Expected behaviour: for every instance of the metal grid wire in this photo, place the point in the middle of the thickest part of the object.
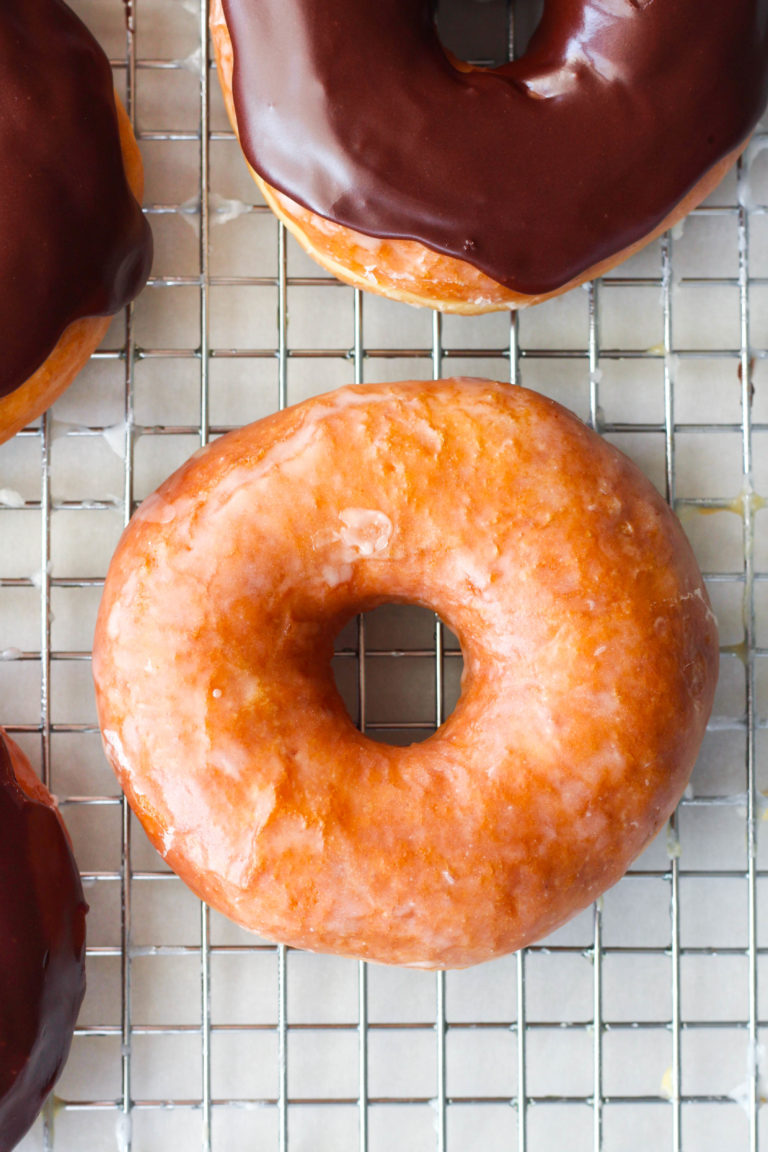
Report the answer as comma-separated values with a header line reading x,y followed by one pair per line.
x,y
639,1025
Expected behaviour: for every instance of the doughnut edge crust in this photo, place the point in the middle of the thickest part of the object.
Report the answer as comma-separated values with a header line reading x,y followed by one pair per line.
x,y
38,1026
590,657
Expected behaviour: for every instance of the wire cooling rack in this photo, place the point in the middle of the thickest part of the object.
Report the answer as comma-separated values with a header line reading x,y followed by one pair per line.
x,y
640,1024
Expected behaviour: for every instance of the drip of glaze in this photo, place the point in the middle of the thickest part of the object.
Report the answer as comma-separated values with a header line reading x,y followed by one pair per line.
x,y
533,172
73,240
42,943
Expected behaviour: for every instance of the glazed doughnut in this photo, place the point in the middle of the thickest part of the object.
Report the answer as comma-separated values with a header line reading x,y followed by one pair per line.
x,y
42,944
410,174
590,656
74,245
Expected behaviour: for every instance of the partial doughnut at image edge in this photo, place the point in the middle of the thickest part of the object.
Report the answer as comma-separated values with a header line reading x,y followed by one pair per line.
x,y
75,247
42,943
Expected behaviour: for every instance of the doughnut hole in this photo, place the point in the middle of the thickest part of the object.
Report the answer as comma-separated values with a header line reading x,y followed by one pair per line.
x,y
486,32
398,671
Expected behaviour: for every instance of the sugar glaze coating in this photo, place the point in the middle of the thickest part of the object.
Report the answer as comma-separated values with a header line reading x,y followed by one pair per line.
x,y
590,663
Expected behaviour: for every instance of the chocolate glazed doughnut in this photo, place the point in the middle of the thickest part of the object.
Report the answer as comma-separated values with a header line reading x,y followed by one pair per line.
x,y
42,944
74,244
488,188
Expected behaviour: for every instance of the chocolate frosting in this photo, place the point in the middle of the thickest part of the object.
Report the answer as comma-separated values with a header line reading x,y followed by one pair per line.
x,y
534,171
42,944
73,240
